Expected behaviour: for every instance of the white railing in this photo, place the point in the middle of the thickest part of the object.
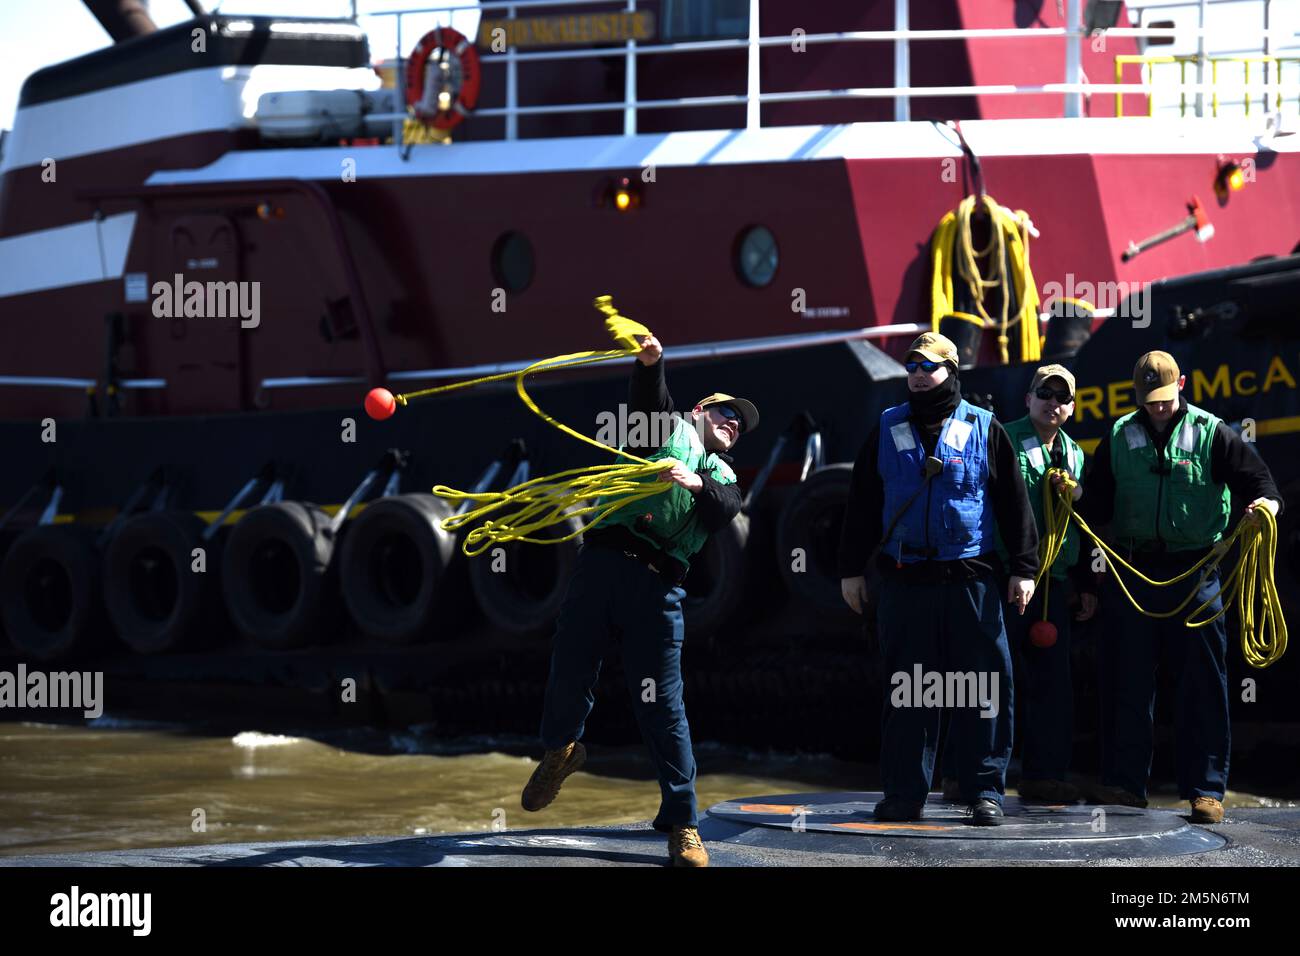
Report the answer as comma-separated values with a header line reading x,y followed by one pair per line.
x,y
1217,41
1073,88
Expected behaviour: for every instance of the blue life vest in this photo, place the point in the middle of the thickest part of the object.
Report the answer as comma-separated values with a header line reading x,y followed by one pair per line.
x,y
953,519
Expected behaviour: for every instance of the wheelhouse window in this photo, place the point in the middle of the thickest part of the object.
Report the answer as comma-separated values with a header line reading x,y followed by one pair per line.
x,y
703,19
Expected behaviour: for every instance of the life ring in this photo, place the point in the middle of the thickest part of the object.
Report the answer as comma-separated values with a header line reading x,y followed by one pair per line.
x,y
443,104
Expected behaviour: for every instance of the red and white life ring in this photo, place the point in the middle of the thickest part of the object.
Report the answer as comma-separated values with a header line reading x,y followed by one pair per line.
x,y
443,78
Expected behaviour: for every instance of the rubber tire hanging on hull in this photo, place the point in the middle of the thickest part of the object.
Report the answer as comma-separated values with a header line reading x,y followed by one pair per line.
x,y
49,592
274,575
812,520
716,584
7,538
396,569
154,597
525,597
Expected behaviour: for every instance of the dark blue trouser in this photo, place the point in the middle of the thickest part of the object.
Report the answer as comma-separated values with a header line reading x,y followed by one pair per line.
x,y
1130,648
612,597
1044,693
947,628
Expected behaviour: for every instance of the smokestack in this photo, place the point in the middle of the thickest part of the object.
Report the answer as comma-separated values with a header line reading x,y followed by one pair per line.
x,y
123,19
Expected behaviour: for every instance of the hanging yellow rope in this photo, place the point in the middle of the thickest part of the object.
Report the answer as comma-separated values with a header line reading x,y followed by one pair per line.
x,y
1250,584
1050,545
968,266
521,512
953,253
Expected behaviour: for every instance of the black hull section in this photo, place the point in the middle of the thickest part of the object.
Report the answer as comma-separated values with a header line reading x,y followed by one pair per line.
x,y
780,676
476,679
451,438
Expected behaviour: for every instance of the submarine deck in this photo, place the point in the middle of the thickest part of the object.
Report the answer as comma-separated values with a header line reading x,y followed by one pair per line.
x,y
810,829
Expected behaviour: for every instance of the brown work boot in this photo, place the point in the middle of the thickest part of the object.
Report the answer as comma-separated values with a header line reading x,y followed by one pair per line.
x,y
1207,810
685,848
544,784
1051,791
951,790
1116,796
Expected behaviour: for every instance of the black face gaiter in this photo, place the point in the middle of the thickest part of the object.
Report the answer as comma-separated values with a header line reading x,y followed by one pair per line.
x,y
933,406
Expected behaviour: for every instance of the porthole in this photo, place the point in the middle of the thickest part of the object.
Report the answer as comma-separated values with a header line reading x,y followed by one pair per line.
x,y
512,262
756,256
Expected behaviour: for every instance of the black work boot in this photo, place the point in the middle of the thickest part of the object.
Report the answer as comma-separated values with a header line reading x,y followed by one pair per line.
x,y
897,810
986,813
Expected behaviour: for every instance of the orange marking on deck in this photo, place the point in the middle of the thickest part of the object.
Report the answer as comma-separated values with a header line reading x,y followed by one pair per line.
x,y
889,826
767,808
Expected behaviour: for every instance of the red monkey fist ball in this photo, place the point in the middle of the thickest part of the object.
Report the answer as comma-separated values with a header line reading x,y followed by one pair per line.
x,y
1042,634
380,403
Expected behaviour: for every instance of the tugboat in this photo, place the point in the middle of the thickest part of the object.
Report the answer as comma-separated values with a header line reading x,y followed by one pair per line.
x,y
216,237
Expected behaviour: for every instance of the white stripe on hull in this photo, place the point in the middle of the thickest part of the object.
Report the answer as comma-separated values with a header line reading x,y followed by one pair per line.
x,y
65,255
1032,137
162,107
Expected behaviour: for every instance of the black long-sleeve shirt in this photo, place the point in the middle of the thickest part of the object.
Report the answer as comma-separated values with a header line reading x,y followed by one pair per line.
x,y
716,503
1232,463
864,522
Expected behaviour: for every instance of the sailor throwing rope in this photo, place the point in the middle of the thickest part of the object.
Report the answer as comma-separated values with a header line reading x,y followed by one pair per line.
x,y
627,589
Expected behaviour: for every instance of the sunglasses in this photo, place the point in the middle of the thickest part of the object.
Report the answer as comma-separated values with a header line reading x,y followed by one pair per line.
x,y
729,413
1045,393
926,367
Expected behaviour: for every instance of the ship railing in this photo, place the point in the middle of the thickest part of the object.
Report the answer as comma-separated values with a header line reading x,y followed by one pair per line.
x,y
1140,11
85,384
1185,60
1073,86
703,350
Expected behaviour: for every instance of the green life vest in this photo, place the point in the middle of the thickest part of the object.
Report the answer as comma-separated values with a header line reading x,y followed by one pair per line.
x,y
1181,506
1034,461
673,525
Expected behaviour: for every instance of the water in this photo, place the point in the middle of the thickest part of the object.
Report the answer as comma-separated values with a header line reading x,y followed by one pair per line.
x,y
120,785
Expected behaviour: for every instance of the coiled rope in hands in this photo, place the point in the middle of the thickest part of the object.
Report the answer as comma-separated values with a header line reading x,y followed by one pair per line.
x,y
521,513
1250,585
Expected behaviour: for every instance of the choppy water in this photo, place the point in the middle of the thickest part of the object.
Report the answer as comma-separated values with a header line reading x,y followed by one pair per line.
x,y
118,785
105,787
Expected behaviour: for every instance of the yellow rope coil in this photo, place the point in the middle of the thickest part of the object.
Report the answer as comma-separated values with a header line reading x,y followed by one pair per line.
x,y
1052,542
1008,240
1250,585
521,512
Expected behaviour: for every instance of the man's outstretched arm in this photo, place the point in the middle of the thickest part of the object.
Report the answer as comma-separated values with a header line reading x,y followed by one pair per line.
x,y
648,392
